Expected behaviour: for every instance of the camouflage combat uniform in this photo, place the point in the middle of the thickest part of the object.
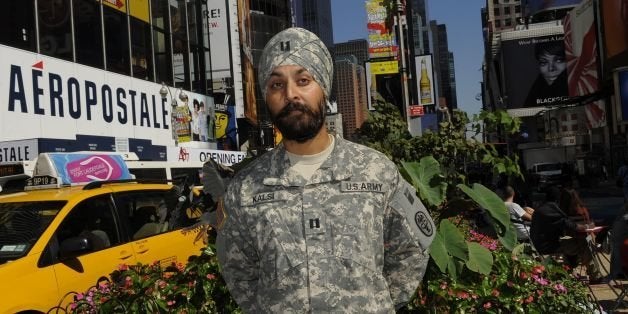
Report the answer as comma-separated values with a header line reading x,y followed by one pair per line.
x,y
354,238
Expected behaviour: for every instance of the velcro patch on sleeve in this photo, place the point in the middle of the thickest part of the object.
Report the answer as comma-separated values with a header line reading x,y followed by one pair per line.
x,y
409,205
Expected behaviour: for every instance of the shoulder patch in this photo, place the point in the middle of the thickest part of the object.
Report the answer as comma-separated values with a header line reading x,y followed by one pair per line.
x,y
406,203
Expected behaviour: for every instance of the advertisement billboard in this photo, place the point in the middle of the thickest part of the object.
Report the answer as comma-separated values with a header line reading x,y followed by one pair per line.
x,y
45,97
582,60
535,71
536,6
385,67
381,39
615,22
425,80
218,34
248,69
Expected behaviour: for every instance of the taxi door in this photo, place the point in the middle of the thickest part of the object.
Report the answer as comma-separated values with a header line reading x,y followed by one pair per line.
x,y
153,239
95,220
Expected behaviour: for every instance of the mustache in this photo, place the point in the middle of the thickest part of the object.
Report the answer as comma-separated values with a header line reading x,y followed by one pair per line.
x,y
292,106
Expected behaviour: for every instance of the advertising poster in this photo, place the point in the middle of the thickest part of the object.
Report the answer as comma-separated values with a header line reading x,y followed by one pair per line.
x,y
536,6
248,70
425,81
218,39
225,128
381,39
622,84
200,116
615,23
582,65
535,71
181,122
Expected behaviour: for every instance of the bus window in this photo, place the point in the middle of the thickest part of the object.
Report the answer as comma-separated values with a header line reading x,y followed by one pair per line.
x,y
193,174
149,173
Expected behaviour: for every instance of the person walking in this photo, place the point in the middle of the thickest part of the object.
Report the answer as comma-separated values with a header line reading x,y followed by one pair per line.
x,y
318,224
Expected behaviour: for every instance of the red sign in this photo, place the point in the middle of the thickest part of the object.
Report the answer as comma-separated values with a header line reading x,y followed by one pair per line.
x,y
416,111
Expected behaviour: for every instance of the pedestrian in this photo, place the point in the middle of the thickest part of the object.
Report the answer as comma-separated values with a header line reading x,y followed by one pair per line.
x,y
318,224
519,216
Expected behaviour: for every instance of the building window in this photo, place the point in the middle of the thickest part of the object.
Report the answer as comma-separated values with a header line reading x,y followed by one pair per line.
x,y
507,22
506,10
180,50
495,1
496,11
17,25
88,33
55,33
498,23
161,42
517,9
141,50
116,41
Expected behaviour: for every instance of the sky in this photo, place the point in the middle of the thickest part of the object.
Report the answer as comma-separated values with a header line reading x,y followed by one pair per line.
x,y
464,36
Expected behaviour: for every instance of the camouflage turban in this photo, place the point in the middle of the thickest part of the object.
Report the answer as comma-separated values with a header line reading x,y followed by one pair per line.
x,y
297,46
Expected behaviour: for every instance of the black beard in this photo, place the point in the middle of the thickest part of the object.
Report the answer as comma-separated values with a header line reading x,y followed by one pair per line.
x,y
303,128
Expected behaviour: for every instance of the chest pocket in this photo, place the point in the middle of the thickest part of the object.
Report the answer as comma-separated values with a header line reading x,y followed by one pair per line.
x,y
279,247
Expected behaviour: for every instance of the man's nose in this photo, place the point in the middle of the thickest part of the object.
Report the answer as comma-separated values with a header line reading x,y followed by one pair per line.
x,y
292,92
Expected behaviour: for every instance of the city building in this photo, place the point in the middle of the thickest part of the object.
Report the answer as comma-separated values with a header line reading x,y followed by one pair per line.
x,y
356,47
132,76
315,16
349,83
333,122
443,66
576,116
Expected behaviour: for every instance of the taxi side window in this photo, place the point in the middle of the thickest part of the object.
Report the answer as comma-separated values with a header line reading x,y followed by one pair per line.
x,y
93,219
146,211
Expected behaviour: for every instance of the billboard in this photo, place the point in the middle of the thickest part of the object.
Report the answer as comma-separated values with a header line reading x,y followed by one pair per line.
x,y
582,60
534,71
615,22
425,80
381,39
217,27
248,69
536,6
45,97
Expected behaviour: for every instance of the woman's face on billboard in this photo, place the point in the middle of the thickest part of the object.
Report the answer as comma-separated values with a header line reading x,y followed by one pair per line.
x,y
221,124
551,66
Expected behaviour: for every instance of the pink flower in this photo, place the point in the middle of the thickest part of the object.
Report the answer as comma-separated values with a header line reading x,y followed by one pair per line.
x,y
538,269
510,284
541,281
487,305
462,295
523,275
495,293
529,299
560,288
171,303
211,276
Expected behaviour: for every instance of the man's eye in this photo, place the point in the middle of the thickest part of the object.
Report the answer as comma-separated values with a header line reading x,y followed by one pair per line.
x,y
276,85
303,81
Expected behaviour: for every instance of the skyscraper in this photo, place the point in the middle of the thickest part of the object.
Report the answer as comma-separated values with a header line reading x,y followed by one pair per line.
x,y
315,16
443,65
350,83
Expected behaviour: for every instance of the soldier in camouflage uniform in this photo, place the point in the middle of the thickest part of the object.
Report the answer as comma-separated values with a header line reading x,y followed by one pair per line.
x,y
319,224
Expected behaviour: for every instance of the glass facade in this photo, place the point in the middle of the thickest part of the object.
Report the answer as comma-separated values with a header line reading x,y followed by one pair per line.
x,y
154,40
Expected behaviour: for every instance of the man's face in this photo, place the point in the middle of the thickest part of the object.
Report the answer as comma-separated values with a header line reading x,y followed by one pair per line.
x,y
551,66
296,102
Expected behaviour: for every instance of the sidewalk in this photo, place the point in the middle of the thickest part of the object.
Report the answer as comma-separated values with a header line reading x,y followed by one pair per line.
x,y
606,297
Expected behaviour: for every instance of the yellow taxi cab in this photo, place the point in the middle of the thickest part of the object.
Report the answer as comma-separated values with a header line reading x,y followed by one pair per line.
x,y
77,223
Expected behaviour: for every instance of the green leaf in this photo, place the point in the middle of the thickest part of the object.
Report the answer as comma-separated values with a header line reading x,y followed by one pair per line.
x,y
454,240
480,258
438,252
427,179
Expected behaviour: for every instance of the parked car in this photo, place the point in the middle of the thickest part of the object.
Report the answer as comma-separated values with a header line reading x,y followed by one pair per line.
x,y
58,238
545,174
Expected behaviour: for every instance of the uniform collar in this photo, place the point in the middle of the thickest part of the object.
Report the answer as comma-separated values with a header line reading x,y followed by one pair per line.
x,y
334,168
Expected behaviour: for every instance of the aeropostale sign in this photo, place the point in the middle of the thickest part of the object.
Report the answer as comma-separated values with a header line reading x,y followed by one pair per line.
x,y
45,97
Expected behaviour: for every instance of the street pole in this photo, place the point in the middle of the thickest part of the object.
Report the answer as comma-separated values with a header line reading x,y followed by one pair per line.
x,y
404,71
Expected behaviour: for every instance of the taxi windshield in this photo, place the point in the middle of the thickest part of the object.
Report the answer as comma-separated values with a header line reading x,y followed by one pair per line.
x,y
21,224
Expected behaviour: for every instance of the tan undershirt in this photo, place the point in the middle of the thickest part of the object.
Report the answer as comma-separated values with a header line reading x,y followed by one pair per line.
x,y
306,165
